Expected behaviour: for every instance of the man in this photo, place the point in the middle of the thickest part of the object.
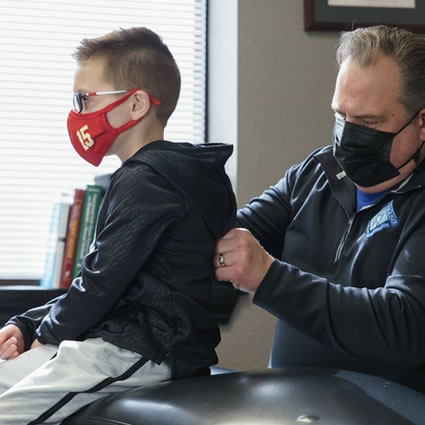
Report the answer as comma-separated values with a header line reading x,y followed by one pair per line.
x,y
335,250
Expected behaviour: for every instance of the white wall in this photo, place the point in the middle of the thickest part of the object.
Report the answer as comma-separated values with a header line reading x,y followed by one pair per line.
x,y
270,90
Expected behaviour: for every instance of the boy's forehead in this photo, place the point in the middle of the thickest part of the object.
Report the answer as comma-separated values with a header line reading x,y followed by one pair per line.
x,y
89,77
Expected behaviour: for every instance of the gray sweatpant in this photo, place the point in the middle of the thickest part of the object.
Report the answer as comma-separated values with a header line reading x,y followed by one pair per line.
x,y
47,384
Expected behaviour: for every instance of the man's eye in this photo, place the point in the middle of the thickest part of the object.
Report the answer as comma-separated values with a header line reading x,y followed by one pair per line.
x,y
369,123
84,97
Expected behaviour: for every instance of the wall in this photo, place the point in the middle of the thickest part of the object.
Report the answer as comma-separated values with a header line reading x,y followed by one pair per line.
x,y
270,90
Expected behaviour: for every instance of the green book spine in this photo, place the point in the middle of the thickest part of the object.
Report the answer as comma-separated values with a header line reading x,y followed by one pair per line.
x,y
91,203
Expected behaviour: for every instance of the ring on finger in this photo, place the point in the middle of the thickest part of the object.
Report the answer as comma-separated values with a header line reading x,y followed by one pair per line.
x,y
221,260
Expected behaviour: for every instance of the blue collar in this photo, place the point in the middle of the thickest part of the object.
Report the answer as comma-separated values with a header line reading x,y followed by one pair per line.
x,y
365,199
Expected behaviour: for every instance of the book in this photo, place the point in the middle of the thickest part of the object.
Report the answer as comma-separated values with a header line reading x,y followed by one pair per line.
x,y
71,239
92,197
55,244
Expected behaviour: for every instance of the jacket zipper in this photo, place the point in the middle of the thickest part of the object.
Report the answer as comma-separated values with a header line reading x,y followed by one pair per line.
x,y
350,223
343,239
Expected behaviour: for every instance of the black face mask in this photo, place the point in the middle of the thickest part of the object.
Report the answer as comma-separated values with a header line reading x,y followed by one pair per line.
x,y
364,153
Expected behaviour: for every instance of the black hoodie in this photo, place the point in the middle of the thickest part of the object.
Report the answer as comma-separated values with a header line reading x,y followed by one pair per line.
x,y
148,280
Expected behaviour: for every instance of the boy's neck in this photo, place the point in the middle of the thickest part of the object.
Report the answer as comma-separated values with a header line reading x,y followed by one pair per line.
x,y
126,145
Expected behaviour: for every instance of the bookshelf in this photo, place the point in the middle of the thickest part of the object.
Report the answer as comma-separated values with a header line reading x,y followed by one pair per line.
x,y
18,296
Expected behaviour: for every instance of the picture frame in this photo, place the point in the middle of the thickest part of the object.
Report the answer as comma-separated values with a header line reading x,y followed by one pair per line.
x,y
319,15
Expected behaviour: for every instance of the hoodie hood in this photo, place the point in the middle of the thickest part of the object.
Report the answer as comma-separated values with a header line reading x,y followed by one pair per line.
x,y
197,172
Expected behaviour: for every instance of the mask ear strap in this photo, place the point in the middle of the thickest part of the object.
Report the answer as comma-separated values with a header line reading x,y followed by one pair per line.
x,y
407,124
416,156
133,122
127,125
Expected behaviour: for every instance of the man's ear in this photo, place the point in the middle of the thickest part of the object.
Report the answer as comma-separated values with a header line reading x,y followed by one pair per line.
x,y
140,104
421,122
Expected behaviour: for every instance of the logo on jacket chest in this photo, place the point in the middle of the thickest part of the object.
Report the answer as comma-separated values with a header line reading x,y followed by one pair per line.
x,y
384,219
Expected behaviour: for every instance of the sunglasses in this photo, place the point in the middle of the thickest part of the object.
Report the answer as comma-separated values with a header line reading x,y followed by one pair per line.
x,y
78,98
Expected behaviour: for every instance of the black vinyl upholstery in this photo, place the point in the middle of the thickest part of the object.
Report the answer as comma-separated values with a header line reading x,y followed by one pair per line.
x,y
269,397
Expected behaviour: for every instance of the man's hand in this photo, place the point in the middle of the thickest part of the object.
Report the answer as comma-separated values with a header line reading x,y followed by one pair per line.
x,y
240,259
11,342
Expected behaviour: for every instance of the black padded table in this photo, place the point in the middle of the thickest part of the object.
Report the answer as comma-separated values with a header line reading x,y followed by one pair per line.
x,y
281,396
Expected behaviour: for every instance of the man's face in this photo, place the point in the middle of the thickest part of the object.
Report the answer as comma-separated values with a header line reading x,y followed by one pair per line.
x,y
369,96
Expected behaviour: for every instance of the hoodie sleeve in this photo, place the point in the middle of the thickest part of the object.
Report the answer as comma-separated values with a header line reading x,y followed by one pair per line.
x,y
138,208
29,321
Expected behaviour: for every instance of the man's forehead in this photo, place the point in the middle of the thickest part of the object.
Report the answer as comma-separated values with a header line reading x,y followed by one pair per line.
x,y
371,91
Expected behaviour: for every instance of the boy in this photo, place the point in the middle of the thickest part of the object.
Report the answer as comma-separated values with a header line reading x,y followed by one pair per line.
x,y
137,313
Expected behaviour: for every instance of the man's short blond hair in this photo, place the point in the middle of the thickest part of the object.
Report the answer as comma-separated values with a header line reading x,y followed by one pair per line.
x,y
365,45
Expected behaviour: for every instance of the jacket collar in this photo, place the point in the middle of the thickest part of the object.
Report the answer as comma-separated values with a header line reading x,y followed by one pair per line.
x,y
344,190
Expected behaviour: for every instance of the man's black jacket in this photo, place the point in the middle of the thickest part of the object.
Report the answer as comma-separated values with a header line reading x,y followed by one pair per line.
x,y
147,281
347,287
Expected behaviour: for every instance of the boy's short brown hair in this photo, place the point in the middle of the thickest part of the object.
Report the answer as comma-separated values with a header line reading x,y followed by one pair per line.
x,y
136,58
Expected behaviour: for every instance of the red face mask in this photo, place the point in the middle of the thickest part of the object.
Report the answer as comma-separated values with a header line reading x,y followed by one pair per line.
x,y
91,134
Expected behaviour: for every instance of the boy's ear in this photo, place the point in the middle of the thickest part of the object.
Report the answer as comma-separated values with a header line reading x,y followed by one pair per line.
x,y
140,104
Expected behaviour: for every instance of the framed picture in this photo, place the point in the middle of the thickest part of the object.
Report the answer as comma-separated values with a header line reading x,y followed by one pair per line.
x,y
345,15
